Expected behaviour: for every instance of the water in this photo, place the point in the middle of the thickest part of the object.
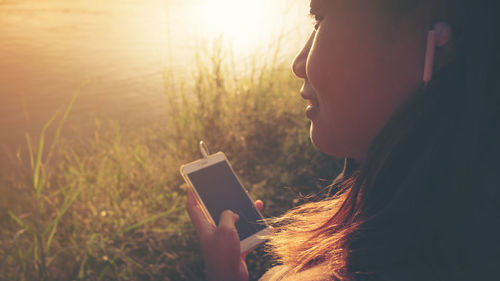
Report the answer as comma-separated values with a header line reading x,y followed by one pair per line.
x,y
121,49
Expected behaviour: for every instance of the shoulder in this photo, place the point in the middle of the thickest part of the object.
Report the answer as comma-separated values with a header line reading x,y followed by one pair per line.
x,y
284,273
275,273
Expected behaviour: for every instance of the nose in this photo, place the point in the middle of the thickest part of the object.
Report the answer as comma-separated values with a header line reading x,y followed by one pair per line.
x,y
299,63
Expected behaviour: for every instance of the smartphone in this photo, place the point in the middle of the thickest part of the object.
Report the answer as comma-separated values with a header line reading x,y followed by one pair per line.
x,y
217,188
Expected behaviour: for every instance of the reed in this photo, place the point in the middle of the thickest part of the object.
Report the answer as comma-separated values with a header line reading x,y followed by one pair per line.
x,y
113,206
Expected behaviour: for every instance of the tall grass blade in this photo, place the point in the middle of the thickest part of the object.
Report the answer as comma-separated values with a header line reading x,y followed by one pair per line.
x,y
148,220
38,164
18,220
53,225
30,149
69,107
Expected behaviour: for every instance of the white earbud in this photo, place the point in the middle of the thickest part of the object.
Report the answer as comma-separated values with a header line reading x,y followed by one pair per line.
x,y
437,37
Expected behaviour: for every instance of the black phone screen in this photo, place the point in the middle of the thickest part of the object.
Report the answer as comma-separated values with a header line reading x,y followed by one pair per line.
x,y
220,190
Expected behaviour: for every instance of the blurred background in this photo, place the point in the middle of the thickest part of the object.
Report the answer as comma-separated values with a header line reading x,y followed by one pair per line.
x,y
102,101
123,49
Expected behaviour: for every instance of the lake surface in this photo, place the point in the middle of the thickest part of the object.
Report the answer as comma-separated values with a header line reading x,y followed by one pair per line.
x,y
120,49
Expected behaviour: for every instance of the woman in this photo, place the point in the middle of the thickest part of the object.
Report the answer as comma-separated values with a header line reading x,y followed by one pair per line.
x,y
424,202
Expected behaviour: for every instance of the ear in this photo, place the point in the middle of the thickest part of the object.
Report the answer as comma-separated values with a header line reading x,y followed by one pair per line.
x,y
443,33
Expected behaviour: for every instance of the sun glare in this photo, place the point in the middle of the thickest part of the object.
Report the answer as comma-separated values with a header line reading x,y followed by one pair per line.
x,y
245,24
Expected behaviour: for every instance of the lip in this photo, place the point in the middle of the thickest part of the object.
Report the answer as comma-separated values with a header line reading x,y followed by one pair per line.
x,y
313,108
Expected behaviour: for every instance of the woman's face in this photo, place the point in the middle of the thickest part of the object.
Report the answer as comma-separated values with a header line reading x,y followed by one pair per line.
x,y
358,67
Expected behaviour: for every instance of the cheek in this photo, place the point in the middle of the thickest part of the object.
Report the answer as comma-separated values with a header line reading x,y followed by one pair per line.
x,y
319,68
341,65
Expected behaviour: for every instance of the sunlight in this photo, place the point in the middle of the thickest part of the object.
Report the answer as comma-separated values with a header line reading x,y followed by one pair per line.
x,y
246,24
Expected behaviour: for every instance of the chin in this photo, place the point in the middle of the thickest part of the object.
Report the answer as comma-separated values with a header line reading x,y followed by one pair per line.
x,y
330,145
321,142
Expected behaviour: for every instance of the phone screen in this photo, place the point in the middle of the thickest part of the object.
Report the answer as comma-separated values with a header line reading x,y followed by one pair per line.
x,y
220,190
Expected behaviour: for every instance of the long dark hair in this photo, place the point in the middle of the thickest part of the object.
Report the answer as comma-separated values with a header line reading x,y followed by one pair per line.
x,y
425,204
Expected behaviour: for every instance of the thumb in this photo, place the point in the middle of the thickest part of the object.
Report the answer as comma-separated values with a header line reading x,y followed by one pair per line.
x,y
228,218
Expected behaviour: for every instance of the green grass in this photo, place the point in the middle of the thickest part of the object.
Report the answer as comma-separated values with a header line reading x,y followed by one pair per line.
x,y
112,207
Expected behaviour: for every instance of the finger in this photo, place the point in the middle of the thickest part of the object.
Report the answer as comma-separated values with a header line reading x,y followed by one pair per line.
x,y
227,220
243,270
259,205
200,222
228,217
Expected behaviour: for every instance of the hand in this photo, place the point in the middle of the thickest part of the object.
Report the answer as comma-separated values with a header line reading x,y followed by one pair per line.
x,y
220,245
